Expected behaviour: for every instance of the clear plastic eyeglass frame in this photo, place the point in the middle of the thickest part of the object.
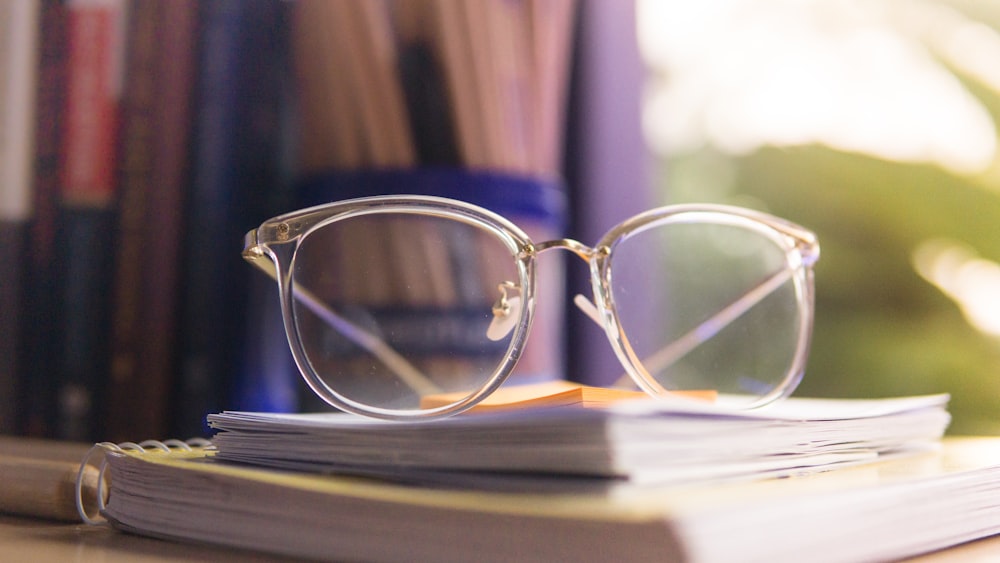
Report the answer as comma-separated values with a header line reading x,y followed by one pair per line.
x,y
272,247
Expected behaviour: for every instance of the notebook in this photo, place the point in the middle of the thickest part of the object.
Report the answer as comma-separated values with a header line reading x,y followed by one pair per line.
x,y
631,443
881,511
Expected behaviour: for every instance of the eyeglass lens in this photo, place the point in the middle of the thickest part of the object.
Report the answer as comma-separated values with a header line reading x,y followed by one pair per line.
x,y
708,306
391,309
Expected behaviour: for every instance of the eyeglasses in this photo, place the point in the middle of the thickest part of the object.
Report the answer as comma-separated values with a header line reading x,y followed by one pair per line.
x,y
388,301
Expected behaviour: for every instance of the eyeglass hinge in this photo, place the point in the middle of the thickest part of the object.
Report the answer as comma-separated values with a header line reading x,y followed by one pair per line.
x,y
251,250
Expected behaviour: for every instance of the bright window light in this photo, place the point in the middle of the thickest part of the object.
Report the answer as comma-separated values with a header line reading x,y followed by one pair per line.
x,y
875,77
971,281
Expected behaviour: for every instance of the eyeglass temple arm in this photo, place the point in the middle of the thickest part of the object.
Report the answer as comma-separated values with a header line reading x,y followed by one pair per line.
x,y
406,371
679,348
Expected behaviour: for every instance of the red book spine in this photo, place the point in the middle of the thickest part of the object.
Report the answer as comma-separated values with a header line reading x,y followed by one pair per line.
x,y
85,222
94,34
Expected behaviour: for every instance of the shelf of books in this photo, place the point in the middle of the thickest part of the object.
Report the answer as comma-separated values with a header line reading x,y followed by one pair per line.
x,y
143,138
150,141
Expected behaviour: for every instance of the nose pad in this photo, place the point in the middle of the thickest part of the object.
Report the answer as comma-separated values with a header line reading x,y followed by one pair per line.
x,y
506,312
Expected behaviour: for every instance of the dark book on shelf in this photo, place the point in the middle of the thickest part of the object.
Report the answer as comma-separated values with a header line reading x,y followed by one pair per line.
x,y
153,179
18,46
235,175
84,264
11,282
84,236
266,378
38,329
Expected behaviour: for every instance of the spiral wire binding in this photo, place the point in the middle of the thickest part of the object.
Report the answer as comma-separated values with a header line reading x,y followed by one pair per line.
x,y
104,448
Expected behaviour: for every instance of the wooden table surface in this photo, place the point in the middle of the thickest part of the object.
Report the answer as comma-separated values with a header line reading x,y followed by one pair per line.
x,y
41,541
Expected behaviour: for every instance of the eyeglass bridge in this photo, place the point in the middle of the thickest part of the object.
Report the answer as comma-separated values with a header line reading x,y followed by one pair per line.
x,y
576,247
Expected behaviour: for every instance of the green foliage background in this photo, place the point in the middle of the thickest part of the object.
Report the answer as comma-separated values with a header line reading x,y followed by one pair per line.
x,y
881,329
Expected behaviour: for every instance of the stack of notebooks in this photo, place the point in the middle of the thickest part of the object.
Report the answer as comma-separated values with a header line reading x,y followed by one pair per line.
x,y
816,480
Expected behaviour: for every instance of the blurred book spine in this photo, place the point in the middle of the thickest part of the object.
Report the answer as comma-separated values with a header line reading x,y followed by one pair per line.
x,y
234,170
38,329
86,212
18,51
153,176
266,378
